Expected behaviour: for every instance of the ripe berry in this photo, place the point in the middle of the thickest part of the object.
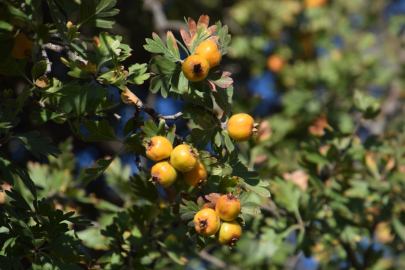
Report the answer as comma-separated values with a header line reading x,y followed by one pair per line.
x,y
195,68
228,207
184,158
209,51
163,174
22,47
241,127
158,148
207,222
197,176
275,63
229,233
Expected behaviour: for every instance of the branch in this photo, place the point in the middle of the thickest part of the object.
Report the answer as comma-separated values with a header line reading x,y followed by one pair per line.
x,y
63,50
351,255
48,63
138,162
217,262
159,18
172,117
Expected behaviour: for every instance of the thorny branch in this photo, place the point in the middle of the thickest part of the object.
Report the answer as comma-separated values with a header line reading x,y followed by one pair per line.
x,y
48,63
63,50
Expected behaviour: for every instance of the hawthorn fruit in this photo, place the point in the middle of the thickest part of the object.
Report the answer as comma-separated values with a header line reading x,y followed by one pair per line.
x,y
183,157
195,68
207,222
209,51
228,207
158,148
163,174
197,176
241,127
229,233
275,63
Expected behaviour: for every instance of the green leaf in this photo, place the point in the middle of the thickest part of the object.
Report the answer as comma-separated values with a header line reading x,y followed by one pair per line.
x,y
150,129
399,228
37,145
17,14
368,105
228,184
156,45
198,96
161,128
38,69
58,19
19,200
162,65
251,208
74,98
224,38
223,97
94,173
188,209
139,77
179,83
101,130
162,83
10,168
171,134
143,188
228,142
92,17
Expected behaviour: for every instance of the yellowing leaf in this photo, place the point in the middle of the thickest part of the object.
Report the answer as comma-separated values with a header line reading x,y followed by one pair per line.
x,y
42,82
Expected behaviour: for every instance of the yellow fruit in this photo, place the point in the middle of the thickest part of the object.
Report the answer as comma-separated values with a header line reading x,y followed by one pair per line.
x,y
22,47
163,174
183,158
209,51
207,222
275,63
229,233
197,176
195,68
314,3
241,127
158,148
228,207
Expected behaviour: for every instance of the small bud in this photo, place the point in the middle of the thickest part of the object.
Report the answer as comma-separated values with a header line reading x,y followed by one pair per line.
x,y
96,42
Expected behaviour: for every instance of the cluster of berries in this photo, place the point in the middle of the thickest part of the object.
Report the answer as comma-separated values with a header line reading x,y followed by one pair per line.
x,y
221,221
183,158
196,67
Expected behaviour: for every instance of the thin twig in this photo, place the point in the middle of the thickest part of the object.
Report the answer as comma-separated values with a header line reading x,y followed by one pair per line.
x,y
64,50
48,63
172,117
55,35
215,261
138,162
